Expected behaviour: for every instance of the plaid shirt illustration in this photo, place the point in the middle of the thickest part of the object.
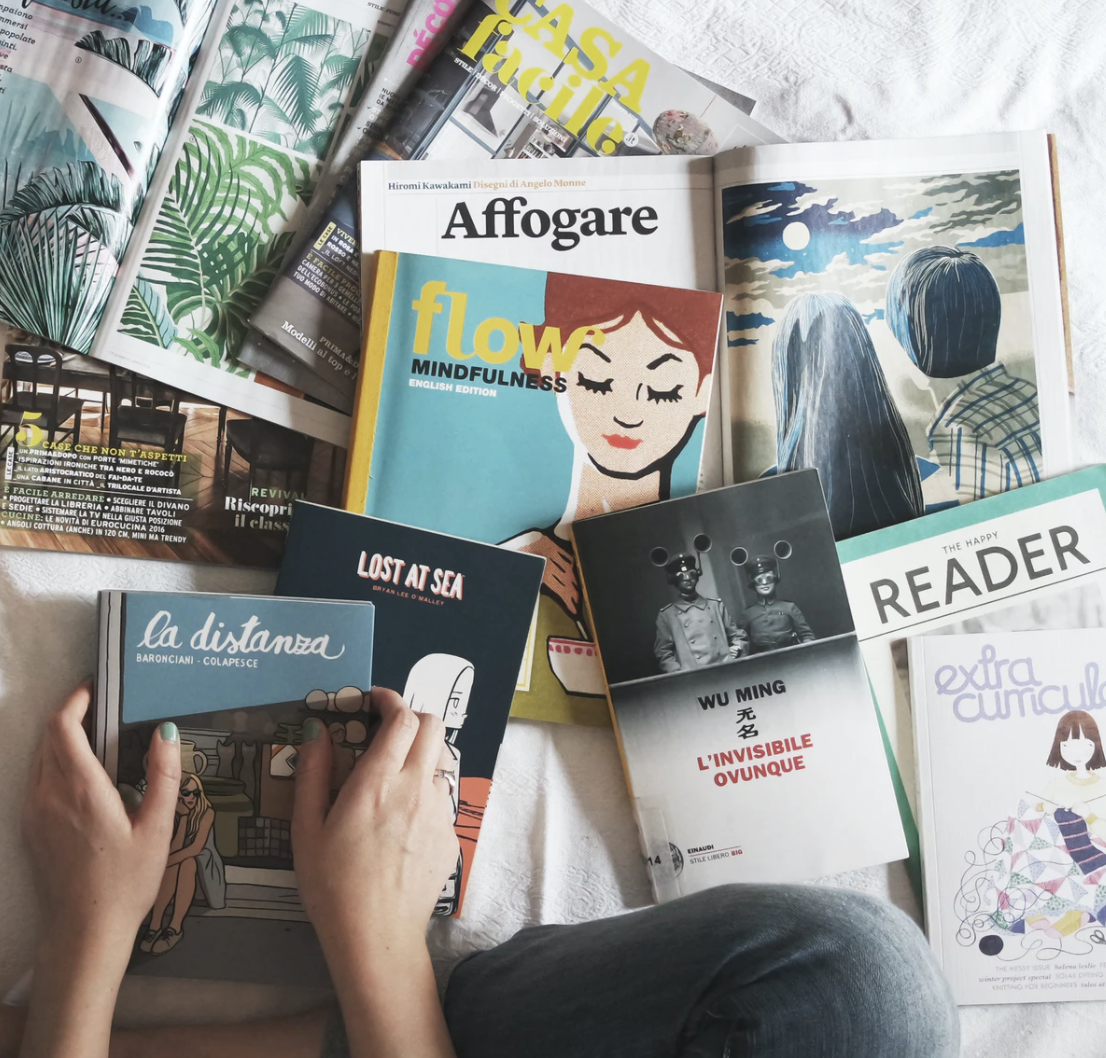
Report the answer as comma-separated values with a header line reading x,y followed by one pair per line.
x,y
988,434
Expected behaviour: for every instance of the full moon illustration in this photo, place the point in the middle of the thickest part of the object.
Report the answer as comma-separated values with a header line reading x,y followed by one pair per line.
x,y
796,235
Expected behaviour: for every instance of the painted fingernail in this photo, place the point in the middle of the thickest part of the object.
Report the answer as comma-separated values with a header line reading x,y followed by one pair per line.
x,y
169,732
313,727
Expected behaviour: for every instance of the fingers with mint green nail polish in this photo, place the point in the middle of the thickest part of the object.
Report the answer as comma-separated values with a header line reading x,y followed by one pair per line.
x,y
169,732
313,727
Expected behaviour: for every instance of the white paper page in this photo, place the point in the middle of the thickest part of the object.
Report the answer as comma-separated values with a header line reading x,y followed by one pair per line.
x,y
1014,851
439,209
863,207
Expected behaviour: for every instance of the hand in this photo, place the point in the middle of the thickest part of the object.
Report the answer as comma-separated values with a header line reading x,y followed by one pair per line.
x,y
97,869
97,872
371,867
560,576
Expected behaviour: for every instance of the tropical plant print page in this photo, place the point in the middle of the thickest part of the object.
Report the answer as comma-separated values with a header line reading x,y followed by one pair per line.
x,y
279,85
87,93
893,330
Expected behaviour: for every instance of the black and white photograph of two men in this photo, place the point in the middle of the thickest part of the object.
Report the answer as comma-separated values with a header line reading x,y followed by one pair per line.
x,y
713,578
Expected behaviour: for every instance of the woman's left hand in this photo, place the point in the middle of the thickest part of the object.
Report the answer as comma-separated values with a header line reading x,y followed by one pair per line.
x,y
97,868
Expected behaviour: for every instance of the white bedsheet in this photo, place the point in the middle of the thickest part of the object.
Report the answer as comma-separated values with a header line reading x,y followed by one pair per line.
x,y
558,842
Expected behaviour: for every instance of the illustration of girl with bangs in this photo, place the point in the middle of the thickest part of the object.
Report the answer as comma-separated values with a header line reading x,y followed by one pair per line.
x,y
630,405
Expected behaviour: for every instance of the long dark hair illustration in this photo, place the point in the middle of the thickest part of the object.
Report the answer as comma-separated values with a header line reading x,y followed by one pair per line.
x,y
834,412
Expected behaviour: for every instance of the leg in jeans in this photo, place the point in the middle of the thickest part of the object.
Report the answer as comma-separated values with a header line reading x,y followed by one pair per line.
x,y
742,970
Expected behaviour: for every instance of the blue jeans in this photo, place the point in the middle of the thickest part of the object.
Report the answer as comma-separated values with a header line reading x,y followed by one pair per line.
x,y
741,970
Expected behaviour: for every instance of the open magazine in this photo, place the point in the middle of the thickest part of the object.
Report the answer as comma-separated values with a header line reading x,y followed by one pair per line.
x,y
518,79
99,119
884,267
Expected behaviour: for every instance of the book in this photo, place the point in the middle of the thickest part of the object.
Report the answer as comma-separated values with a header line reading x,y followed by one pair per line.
x,y
518,79
1000,563
502,403
894,318
751,745
239,675
1012,798
129,466
452,631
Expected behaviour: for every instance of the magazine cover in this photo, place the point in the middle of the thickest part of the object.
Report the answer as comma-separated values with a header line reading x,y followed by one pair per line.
x,y
737,687
1031,558
501,404
894,319
516,79
453,630
98,459
645,220
1012,797
239,675
87,92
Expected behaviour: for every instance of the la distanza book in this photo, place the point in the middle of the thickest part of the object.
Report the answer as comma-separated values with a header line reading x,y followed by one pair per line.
x,y
239,675
453,630
1012,806
503,403
751,744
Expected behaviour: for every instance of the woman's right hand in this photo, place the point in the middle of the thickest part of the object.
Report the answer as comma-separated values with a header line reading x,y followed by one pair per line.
x,y
370,867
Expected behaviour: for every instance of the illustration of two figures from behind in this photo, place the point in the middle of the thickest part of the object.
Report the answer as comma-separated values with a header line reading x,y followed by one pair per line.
x,y
694,631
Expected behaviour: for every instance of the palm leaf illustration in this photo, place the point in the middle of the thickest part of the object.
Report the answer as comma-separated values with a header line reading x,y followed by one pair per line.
x,y
54,280
148,62
217,240
79,194
232,102
145,316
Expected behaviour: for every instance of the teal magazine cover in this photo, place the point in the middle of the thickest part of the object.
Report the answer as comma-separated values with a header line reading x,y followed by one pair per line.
x,y
501,404
238,674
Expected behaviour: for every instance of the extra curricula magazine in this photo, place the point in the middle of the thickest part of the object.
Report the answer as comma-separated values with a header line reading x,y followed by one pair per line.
x,y
239,675
502,403
517,79
751,745
1031,558
453,629
1012,808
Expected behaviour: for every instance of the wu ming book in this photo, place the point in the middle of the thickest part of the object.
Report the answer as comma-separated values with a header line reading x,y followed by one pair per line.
x,y
500,404
1012,809
454,630
750,740
239,675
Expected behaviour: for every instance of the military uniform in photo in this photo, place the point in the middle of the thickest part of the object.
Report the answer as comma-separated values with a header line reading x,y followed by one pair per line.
x,y
694,632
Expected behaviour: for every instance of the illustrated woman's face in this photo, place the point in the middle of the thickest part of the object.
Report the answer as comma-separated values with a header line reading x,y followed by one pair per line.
x,y
632,398
1077,750
186,799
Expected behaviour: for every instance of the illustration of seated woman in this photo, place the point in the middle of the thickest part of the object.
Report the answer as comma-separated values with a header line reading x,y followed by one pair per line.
x,y
945,309
834,412
1044,867
193,861
630,407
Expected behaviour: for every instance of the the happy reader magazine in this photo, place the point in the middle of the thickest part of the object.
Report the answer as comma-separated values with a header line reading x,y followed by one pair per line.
x,y
750,740
501,404
1012,806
